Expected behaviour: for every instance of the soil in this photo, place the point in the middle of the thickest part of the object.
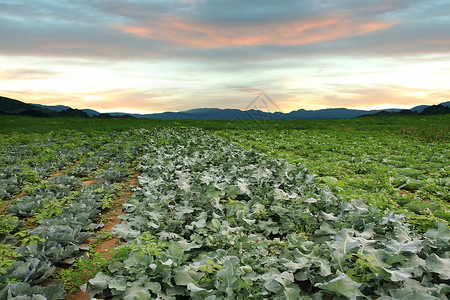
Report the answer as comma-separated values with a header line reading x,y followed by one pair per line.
x,y
59,173
20,195
90,182
106,246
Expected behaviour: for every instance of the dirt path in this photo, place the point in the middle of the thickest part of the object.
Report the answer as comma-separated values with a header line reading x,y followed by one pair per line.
x,y
106,246
5,204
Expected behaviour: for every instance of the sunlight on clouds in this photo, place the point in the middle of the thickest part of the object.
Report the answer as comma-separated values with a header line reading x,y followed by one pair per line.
x,y
417,94
156,87
92,98
188,32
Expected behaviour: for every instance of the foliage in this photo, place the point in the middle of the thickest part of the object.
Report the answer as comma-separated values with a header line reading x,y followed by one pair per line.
x,y
23,290
83,270
397,174
7,257
212,220
26,128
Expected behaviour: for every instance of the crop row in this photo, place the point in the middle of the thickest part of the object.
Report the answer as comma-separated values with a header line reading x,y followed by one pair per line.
x,y
25,164
47,225
392,172
213,221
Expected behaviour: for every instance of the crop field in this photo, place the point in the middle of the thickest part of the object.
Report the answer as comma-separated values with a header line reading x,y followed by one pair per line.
x,y
144,209
390,171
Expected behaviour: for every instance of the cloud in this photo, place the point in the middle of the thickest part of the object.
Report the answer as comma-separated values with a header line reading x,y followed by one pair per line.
x,y
299,32
208,30
173,55
26,74
382,96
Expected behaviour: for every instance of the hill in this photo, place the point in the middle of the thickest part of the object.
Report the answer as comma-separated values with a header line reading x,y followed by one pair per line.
x,y
10,106
424,110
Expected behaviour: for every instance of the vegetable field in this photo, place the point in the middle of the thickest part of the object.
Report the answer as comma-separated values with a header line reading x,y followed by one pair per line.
x,y
393,171
211,219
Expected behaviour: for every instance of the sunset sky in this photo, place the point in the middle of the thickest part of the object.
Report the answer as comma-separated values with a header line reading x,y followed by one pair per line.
x,y
154,56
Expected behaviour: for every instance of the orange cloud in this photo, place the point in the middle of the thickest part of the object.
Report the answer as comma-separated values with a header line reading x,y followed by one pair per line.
x,y
288,33
382,96
26,74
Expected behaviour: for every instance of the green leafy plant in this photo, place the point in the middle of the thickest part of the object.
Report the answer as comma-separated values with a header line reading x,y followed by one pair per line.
x,y
25,238
8,256
104,236
55,207
8,224
82,270
210,268
363,268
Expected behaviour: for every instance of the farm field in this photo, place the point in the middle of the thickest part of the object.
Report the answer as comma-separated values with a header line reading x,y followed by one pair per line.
x,y
392,171
288,210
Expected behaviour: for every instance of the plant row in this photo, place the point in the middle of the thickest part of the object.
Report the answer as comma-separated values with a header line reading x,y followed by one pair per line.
x,y
393,173
63,214
213,221
25,164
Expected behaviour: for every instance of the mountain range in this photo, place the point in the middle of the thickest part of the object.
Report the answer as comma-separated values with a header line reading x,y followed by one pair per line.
x,y
10,106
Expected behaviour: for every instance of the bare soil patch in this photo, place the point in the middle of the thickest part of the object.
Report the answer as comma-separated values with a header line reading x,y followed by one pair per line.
x,y
90,182
105,247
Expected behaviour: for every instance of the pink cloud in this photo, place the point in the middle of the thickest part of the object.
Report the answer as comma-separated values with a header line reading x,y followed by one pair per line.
x,y
192,33
384,95
26,74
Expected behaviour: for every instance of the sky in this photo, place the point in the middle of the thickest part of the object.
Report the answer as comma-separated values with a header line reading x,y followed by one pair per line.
x,y
141,56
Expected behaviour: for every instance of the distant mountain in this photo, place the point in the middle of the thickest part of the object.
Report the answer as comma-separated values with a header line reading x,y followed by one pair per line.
x,y
15,107
419,108
329,113
423,110
439,109
56,108
91,112
229,114
10,106
60,108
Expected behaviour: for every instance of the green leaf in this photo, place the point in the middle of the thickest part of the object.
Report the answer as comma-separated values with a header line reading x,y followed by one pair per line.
x,y
98,283
395,247
394,275
291,294
330,181
285,278
227,278
184,277
392,259
414,290
54,292
273,282
342,285
272,285
193,288
175,250
345,243
298,264
124,231
137,293
119,284
155,287
440,236
438,265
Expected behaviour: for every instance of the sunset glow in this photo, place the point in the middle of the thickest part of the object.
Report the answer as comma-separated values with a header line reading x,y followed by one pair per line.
x,y
153,56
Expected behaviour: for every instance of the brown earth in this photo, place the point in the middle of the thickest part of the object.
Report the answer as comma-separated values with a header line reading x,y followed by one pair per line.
x,y
20,195
106,246
90,182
